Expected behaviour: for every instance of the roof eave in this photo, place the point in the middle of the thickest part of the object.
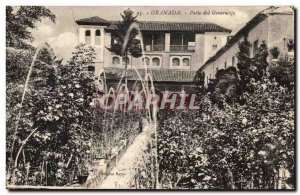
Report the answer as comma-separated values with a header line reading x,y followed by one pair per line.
x,y
242,32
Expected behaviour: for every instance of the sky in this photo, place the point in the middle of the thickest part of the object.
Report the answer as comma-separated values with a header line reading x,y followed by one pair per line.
x,y
63,35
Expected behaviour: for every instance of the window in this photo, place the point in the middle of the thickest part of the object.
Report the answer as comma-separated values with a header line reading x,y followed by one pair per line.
x,y
255,47
154,41
175,62
179,42
215,46
225,65
97,37
88,37
215,37
146,61
233,60
116,60
155,61
186,62
180,62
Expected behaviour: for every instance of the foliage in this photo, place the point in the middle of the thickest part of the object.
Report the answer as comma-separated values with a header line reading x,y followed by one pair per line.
x,y
290,45
238,146
60,110
244,62
83,55
234,144
145,170
275,52
133,46
226,85
260,63
229,83
199,80
18,24
17,62
283,72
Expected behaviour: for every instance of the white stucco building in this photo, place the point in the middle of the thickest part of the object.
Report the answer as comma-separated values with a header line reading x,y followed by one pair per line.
x,y
274,26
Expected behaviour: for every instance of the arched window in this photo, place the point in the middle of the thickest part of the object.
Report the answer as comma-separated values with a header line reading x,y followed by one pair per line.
x,y
116,60
125,60
88,37
97,37
175,62
186,62
146,60
155,62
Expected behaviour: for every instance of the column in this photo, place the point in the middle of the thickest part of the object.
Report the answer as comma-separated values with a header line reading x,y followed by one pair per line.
x,y
102,43
167,42
93,35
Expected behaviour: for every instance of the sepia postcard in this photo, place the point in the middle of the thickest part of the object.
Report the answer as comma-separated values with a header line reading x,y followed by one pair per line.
x,y
150,98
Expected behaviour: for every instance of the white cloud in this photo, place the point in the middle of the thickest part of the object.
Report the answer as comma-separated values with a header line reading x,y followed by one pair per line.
x,y
45,29
63,44
64,40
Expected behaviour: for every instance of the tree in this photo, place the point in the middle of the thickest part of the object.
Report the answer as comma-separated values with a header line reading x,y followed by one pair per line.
x,y
18,25
199,80
283,72
244,62
83,55
260,62
60,111
251,68
133,46
236,147
226,84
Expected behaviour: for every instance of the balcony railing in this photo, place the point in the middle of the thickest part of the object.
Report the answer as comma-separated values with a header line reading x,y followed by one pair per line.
x,y
154,47
173,48
182,48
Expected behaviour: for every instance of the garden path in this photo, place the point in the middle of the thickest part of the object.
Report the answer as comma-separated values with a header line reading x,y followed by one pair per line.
x,y
122,175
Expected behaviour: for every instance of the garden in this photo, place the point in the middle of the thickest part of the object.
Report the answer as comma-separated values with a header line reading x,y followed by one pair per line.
x,y
242,137
240,140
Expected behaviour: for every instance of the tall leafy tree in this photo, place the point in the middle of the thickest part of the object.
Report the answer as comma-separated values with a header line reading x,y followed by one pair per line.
x,y
18,24
260,61
244,62
83,55
251,68
133,46
226,85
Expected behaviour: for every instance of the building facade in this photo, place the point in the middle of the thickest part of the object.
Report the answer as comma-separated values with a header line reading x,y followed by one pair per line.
x,y
274,26
179,49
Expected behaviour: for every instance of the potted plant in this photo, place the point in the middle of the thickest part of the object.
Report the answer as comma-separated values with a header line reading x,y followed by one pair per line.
x,y
275,52
290,46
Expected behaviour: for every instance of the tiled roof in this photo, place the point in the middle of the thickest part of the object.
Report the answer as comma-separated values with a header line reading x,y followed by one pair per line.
x,y
159,75
93,21
175,26
157,25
